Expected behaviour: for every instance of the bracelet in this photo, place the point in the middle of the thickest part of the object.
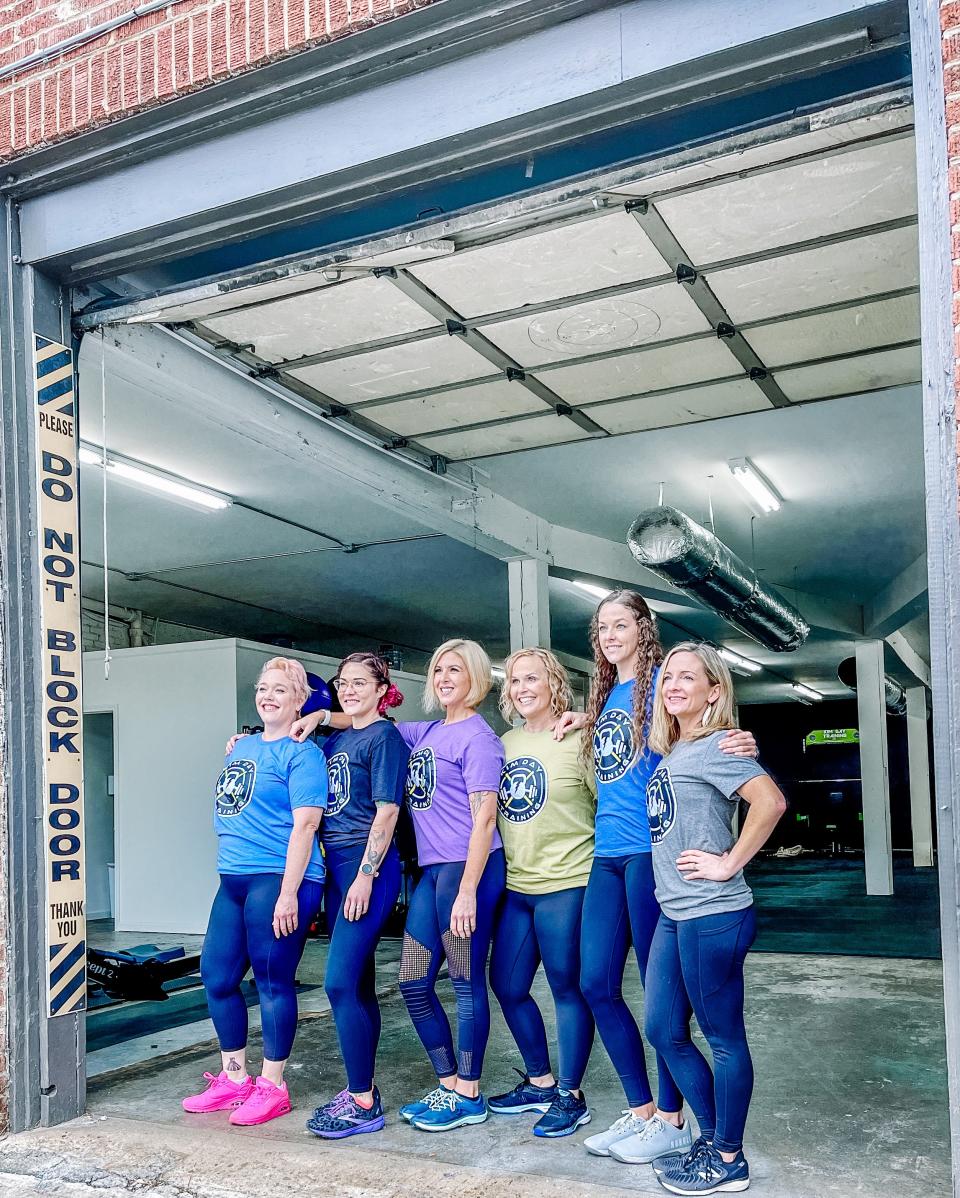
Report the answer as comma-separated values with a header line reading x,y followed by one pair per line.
x,y
324,718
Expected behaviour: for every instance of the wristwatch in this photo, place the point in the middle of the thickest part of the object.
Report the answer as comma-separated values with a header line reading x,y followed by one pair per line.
x,y
367,869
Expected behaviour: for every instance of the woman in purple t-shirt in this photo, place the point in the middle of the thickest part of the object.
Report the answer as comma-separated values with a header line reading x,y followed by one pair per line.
x,y
452,783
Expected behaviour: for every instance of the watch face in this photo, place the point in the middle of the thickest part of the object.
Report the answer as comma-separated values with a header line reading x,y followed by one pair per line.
x,y
366,868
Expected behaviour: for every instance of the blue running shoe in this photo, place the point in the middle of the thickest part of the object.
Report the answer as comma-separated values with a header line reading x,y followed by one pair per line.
x,y
566,1114
410,1109
449,1110
666,1166
343,1116
709,1174
524,1096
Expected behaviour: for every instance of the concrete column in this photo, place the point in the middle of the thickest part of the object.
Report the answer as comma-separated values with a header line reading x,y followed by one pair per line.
x,y
874,771
528,580
921,820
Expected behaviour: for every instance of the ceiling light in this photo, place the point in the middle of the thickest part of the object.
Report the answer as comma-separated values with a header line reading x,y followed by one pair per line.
x,y
742,665
806,692
756,486
591,588
155,480
498,672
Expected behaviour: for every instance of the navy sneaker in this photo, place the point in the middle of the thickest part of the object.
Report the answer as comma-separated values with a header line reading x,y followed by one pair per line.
x,y
449,1110
410,1109
524,1096
343,1116
709,1173
664,1166
566,1114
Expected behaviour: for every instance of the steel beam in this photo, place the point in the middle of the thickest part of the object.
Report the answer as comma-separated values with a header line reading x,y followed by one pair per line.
x,y
529,586
921,812
874,769
900,601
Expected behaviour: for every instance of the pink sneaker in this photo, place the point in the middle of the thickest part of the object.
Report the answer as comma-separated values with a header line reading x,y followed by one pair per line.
x,y
221,1094
266,1102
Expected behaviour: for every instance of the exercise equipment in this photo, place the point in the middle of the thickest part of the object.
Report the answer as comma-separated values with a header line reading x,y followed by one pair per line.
x,y
138,974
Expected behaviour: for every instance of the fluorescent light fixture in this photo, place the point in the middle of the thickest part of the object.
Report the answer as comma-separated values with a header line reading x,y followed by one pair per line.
x,y
498,672
155,480
806,692
742,665
759,489
591,588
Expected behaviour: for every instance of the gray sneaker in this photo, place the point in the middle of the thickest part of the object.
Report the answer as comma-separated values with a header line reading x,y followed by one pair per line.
x,y
656,1138
627,1125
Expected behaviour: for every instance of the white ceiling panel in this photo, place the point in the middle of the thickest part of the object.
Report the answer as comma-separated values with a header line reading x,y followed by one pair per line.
x,y
330,318
654,314
467,405
828,274
396,370
865,327
567,260
865,373
680,407
827,195
504,438
651,370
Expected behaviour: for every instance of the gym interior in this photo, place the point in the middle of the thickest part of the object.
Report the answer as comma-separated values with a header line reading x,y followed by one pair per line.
x,y
450,429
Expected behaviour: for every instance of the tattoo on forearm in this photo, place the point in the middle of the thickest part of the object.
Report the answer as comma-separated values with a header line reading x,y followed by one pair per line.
x,y
375,846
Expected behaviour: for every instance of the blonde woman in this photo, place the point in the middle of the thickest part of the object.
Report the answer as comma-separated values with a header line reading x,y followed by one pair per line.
x,y
707,921
269,800
546,817
452,783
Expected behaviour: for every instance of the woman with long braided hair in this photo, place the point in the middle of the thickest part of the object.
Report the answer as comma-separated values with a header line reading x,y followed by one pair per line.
x,y
620,907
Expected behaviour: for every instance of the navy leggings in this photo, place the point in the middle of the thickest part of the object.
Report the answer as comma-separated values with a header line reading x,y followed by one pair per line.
x,y
350,979
534,928
696,966
240,934
427,940
620,908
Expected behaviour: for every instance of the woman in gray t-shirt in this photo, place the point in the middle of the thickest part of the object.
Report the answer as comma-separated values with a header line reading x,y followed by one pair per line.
x,y
707,923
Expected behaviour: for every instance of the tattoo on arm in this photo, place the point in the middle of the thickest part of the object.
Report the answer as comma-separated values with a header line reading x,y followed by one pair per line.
x,y
476,802
375,846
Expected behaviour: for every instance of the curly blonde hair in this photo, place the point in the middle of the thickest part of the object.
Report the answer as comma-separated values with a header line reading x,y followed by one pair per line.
x,y
648,657
719,716
561,697
296,676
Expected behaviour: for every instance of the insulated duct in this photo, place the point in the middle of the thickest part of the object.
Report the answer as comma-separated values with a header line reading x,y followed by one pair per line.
x,y
894,695
671,545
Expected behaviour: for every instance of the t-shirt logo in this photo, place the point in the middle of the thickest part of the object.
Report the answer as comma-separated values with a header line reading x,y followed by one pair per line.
x,y
661,804
523,789
338,768
612,745
235,787
421,779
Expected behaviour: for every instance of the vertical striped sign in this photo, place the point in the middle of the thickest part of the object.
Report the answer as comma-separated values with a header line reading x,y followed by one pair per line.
x,y
62,720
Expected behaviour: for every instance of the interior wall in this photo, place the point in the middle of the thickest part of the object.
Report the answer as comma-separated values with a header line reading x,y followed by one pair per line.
x,y
98,819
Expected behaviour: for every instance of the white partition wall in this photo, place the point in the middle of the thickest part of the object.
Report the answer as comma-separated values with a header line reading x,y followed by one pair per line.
x,y
174,706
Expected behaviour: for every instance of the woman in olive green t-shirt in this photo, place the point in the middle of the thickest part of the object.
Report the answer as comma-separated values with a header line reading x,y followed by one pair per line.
x,y
545,816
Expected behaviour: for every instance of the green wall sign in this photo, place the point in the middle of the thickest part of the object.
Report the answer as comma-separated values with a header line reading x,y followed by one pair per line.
x,y
833,736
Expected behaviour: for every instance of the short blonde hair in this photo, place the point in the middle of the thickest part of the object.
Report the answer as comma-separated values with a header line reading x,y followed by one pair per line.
x,y
664,729
561,697
296,676
477,665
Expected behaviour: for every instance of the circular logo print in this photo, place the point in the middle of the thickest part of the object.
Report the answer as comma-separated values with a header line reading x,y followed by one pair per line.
x,y
591,328
235,787
612,745
523,789
338,767
421,779
661,804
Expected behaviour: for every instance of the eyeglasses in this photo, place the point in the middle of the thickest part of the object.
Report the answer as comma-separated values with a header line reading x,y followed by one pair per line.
x,y
351,684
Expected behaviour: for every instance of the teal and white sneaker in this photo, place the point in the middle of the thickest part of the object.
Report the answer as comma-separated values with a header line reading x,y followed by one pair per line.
x,y
656,1138
449,1110
709,1173
410,1109
627,1125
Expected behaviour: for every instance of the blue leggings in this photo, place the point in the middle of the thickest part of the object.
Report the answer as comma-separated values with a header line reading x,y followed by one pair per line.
x,y
696,966
427,939
240,934
534,928
619,908
350,979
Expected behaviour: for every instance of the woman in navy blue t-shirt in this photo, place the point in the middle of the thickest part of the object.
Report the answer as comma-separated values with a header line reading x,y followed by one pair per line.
x,y
367,763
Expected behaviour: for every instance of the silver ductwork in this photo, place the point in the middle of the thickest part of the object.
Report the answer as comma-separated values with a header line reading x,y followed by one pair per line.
x,y
671,545
894,695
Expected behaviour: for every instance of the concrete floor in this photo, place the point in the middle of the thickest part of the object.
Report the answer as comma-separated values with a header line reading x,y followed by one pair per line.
x,y
850,1100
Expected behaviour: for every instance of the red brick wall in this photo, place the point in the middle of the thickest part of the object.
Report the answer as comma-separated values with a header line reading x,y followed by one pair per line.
x,y
177,49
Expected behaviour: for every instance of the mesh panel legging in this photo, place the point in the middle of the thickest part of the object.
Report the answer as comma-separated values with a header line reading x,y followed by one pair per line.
x,y
534,928
620,908
427,939
350,979
240,934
